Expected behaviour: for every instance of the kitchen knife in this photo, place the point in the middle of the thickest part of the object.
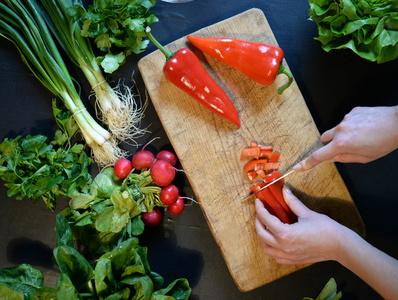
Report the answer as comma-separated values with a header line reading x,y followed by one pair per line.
x,y
267,185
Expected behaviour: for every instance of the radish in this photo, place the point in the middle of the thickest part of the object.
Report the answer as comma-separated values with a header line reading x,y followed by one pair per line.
x,y
152,219
177,207
162,172
122,168
169,194
143,159
167,156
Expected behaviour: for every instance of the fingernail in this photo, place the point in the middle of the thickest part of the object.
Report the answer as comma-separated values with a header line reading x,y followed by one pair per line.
x,y
286,190
298,167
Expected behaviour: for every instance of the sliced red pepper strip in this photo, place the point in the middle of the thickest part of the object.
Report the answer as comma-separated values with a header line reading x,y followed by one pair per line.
x,y
251,152
185,71
274,157
253,144
255,188
266,148
260,173
257,152
260,164
261,62
252,175
277,191
264,153
276,206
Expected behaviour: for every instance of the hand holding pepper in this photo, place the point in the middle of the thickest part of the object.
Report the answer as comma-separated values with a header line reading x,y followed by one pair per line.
x,y
261,62
184,70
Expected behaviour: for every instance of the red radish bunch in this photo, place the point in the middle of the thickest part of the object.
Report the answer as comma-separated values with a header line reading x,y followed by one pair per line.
x,y
162,168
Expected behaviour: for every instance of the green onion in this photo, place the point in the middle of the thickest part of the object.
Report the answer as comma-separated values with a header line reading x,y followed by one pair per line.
x,y
24,26
118,108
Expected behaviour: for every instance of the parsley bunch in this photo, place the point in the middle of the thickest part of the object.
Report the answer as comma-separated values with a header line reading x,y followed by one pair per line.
x,y
118,27
35,169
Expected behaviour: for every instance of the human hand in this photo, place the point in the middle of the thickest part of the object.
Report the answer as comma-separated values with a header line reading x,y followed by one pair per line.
x,y
364,135
313,238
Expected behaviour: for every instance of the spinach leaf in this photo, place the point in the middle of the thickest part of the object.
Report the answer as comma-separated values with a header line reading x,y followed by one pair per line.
x,y
65,288
20,282
122,273
64,232
9,294
179,289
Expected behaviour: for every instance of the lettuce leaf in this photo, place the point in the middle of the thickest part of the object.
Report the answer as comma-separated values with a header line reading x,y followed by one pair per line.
x,y
367,27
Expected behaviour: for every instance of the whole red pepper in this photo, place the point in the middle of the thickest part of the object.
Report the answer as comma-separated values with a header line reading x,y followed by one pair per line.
x,y
261,62
185,71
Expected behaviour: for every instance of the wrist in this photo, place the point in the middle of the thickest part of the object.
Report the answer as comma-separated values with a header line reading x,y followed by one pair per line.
x,y
346,243
395,124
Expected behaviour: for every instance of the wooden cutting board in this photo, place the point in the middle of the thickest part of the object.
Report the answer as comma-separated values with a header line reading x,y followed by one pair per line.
x,y
209,149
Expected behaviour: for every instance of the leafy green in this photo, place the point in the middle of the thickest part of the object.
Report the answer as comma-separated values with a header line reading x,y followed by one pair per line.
x,y
367,27
122,273
118,27
33,168
329,292
111,210
23,280
22,22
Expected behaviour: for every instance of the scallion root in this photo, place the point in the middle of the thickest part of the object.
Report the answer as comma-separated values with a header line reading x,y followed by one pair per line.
x,y
121,110
107,154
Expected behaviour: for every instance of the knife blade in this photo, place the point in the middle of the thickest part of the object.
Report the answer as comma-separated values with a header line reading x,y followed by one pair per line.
x,y
267,185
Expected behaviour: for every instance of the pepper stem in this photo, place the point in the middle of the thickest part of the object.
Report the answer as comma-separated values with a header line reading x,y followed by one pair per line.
x,y
283,70
166,52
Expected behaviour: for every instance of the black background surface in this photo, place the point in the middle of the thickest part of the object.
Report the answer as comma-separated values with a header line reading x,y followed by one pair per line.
x,y
331,83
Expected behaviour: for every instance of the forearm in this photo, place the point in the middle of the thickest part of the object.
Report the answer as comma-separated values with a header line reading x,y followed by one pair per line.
x,y
373,266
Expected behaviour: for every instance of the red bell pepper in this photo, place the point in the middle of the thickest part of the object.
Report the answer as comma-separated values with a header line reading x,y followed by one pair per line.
x,y
257,152
255,188
260,164
185,71
261,62
271,200
277,190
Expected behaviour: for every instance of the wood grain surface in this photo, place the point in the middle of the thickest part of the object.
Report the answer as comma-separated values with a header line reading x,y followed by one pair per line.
x,y
209,148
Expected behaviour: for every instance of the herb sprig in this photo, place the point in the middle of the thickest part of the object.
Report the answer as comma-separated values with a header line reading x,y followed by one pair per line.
x,y
118,27
35,169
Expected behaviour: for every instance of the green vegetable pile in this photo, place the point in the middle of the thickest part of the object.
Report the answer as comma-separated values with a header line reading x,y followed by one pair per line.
x,y
122,273
33,168
111,210
367,27
117,27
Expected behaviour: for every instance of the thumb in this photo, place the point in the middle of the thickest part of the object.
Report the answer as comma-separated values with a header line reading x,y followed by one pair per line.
x,y
325,153
297,207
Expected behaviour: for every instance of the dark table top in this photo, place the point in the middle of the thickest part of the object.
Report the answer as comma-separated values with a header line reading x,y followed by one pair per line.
x,y
183,246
